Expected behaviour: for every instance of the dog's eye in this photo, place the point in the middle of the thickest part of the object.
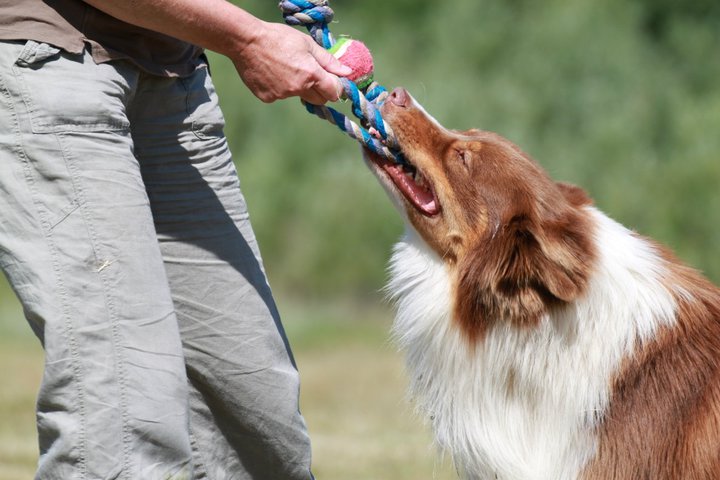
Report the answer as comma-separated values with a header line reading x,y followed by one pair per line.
x,y
464,157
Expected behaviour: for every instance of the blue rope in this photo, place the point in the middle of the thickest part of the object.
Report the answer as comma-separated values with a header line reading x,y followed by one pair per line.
x,y
315,15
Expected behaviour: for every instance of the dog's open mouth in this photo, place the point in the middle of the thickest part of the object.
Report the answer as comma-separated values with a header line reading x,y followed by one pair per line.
x,y
411,183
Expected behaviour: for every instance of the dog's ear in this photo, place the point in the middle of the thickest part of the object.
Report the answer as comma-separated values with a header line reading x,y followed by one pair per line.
x,y
522,270
574,195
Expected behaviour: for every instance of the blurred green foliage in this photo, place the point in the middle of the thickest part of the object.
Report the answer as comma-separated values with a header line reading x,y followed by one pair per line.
x,y
620,97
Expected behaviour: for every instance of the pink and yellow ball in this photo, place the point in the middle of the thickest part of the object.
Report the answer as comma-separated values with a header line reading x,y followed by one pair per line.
x,y
355,55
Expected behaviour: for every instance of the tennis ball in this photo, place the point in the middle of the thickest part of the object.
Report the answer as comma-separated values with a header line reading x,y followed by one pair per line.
x,y
354,54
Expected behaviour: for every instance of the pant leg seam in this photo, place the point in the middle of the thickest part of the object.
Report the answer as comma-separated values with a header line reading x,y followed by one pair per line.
x,y
68,330
199,470
103,272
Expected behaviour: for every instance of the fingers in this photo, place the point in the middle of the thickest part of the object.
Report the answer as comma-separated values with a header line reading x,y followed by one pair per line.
x,y
312,96
329,87
329,63
320,95
284,63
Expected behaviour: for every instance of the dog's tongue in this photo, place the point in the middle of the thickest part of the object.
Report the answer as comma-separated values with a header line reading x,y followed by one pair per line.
x,y
422,198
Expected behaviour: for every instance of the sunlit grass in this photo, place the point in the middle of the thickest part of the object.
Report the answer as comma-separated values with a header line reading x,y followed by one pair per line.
x,y
20,371
353,397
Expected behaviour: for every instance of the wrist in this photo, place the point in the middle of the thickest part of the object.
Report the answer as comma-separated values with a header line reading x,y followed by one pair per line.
x,y
243,30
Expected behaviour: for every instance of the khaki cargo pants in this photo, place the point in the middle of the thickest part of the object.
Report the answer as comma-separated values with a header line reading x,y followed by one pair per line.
x,y
124,233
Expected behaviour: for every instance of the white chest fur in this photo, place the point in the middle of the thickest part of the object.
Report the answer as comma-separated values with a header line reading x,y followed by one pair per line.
x,y
524,403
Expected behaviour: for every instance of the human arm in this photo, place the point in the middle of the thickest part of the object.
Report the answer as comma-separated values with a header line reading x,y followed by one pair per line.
x,y
274,61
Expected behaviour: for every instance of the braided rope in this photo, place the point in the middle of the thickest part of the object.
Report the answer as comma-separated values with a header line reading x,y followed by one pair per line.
x,y
315,16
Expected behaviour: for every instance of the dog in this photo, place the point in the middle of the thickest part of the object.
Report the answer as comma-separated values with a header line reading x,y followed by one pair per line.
x,y
543,340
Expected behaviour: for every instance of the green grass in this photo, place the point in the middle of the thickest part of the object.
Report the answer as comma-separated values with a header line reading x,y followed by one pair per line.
x,y
353,395
20,370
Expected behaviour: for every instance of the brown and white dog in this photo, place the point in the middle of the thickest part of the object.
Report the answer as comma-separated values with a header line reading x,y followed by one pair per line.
x,y
543,339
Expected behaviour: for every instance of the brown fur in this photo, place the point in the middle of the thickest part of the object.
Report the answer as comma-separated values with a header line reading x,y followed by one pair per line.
x,y
664,416
519,244
518,241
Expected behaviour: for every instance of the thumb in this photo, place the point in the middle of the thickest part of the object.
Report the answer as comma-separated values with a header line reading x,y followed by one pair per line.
x,y
329,63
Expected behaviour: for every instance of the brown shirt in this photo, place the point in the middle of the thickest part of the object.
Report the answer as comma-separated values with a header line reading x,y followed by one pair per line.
x,y
72,25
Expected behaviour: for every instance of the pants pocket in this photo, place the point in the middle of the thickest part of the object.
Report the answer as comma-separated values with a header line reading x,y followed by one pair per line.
x,y
63,92
203,107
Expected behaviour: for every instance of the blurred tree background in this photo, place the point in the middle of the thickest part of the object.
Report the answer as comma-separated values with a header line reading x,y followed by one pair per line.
x,y
621,97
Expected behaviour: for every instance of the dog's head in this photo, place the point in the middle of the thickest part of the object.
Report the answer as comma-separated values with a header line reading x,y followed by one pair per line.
x,y
517,243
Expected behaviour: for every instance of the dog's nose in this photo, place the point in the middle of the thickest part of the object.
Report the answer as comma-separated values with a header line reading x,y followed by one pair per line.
x,y
400,97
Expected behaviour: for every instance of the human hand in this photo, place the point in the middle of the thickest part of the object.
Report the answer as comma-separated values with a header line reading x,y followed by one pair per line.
x,y
281,62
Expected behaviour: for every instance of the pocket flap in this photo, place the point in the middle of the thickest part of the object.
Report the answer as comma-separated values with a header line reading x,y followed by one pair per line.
x,y
35,52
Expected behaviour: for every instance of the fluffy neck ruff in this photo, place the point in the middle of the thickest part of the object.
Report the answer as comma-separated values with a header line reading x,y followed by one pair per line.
x,y
525,403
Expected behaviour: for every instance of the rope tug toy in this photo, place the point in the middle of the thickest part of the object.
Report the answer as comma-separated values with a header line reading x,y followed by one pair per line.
x,y
359,87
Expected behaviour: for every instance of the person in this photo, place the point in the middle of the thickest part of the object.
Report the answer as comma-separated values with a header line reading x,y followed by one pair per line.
x,y
125,235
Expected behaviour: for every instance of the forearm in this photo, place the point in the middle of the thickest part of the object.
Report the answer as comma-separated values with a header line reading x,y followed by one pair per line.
x,y
275,61
216,25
